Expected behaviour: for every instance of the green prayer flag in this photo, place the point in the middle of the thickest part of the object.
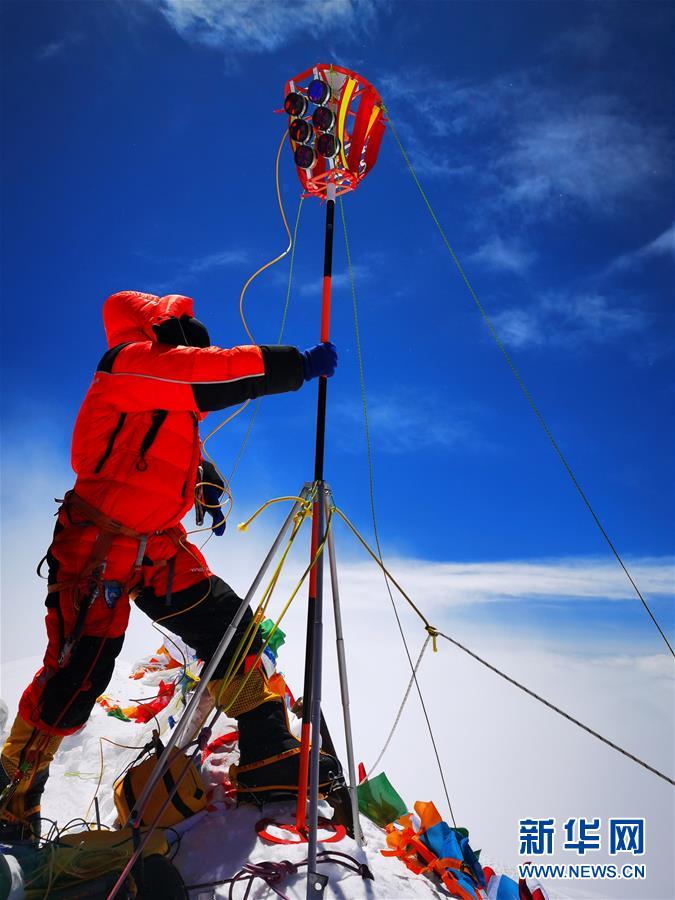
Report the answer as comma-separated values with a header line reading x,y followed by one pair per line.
x,y
379,801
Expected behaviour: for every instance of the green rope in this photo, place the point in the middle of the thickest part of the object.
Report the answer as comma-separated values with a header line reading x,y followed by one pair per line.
x,y
523,386
371,483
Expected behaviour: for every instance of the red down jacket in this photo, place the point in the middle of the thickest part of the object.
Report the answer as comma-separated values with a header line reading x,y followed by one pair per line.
x,y
136,444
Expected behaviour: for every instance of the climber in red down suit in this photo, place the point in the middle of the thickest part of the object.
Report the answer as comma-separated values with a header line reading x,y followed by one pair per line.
x,y
136,453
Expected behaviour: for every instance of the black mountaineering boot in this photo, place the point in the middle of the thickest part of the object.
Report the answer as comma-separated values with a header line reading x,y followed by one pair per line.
x,y
270,757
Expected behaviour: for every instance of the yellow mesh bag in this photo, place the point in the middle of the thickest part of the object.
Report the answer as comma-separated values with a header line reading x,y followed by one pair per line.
x,y
189,798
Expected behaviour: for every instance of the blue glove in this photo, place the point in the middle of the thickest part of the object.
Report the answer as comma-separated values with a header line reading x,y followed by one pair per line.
x,y
212,491
319,360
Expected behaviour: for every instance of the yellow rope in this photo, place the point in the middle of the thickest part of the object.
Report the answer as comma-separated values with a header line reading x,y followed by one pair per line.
x,y
276,258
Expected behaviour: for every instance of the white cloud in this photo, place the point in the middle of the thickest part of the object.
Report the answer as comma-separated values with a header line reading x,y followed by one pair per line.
x,y
220,259
57,48
264,25
589,41
591,153
401,425
187,270
507,255
661,246
530,145
441,585
569,321
338,281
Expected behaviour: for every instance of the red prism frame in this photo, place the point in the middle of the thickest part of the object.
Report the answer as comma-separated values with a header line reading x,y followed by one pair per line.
x,y
360,121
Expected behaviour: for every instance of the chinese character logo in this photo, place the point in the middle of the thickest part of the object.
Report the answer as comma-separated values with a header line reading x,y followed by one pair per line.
x,y
588,833
536,836
627,836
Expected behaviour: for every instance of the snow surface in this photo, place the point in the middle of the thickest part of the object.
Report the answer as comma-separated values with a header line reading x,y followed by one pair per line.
x,y
215,845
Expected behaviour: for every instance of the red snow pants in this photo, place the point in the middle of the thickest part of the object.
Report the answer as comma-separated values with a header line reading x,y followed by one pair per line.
x,y
171,580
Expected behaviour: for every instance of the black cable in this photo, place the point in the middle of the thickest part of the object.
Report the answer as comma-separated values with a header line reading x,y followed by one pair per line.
x,y
557,709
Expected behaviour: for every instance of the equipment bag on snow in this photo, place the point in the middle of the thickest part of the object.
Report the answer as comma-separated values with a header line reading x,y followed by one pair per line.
x,y
188,799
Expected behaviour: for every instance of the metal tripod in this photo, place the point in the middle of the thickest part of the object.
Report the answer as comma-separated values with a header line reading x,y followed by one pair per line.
x,y
177,734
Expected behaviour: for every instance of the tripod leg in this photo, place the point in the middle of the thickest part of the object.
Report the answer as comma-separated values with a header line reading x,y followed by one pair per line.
x,y
344,686
206,675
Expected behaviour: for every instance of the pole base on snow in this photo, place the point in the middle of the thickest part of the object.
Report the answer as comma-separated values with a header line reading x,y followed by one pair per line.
x,y
316,883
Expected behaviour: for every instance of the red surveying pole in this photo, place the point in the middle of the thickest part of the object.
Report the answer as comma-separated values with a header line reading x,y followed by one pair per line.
x,y
311,702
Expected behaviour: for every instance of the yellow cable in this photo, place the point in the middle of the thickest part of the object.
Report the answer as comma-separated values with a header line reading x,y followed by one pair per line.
x,y
261,609
239,656
286,606
243,526
276,258
217,429
291,246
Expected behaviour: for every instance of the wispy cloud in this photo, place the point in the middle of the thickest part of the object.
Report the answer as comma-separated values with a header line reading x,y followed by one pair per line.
x,y
589,41
57,48
339,280
530,145
264,25
186,270
506,255
593,154
443,584
218,260
662,246
403,424
570,321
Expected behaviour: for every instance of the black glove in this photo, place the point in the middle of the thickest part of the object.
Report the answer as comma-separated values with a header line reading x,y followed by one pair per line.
x,y
319,360
212,491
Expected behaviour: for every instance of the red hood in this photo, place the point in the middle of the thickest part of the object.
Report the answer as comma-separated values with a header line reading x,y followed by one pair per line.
x,y
130,315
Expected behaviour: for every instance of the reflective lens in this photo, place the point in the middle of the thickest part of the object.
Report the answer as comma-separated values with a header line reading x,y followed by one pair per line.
x,y
323,118
305,157
327,145
300,131
318,91
295,104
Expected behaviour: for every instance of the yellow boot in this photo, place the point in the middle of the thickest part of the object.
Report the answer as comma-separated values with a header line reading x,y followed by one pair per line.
x,y
24,768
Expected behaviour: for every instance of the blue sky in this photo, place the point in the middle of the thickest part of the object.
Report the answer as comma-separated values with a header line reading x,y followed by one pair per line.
x,y
138,147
